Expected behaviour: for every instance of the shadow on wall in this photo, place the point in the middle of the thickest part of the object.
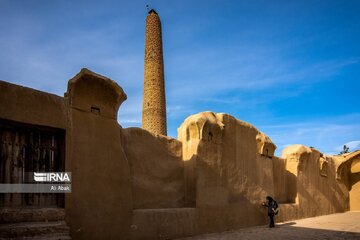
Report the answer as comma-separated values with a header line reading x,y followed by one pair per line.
x,y
321,194
291,187
190,181
285,182
312,183
223,210
221,205
226,175
157,169
355,192
349,170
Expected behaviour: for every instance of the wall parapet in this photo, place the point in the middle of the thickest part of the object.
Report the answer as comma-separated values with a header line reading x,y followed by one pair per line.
x,y
91,92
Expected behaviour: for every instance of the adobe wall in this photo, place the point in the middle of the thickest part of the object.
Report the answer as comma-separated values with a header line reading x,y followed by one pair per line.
x,y
282,181
349,164
355,192
230,169
25,142
231,164
26,105
157,170
163,223
316,187
137,185
355,182
319,191
100,205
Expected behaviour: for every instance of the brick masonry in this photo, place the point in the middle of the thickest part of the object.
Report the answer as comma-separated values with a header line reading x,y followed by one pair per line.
x,y
154,103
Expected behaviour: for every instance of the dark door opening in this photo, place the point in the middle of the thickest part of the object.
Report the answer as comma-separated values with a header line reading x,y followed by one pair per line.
x,y
30,148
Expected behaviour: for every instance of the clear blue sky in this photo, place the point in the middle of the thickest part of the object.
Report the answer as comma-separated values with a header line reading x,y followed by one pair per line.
x,y
291,68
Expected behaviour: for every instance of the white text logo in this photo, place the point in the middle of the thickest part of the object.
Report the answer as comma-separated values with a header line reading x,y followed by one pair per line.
x,y
52,177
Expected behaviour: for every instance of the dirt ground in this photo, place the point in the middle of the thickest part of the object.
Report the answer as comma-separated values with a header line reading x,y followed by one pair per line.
x,y
336,226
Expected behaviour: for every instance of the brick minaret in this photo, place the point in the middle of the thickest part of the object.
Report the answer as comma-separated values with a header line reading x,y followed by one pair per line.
x,y
154,104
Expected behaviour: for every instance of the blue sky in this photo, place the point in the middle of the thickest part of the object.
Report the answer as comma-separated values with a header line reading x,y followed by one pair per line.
x,y
291,68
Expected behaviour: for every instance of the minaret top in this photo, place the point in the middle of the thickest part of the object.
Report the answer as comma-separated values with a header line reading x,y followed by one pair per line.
x,y
152,11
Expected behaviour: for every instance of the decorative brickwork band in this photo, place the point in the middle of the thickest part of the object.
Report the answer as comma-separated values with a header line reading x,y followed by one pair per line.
x,y
154,103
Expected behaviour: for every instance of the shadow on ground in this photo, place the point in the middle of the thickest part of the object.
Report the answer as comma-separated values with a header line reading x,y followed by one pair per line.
x,y
281,231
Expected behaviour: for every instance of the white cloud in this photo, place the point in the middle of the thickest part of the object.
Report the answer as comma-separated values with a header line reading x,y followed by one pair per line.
x,y
325,134
212,71
352,145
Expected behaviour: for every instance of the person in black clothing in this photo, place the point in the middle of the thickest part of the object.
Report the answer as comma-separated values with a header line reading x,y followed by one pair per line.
x,y
270,204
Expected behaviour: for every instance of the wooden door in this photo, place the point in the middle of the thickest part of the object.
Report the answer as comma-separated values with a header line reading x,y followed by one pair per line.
x,y
26,148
